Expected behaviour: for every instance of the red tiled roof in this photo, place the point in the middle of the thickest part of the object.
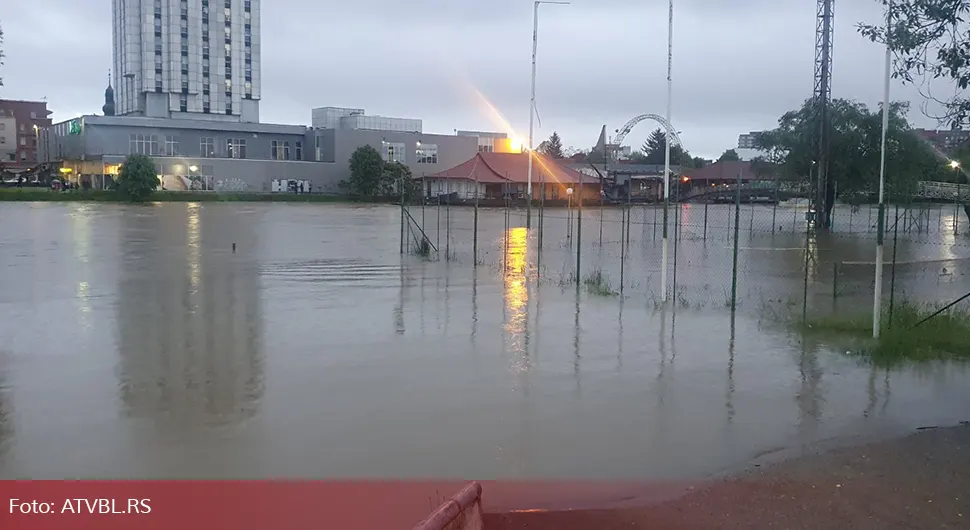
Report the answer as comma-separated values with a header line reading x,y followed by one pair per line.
x,y
492,168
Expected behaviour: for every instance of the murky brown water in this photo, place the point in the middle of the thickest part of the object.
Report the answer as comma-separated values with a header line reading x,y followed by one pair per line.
x,y
135,343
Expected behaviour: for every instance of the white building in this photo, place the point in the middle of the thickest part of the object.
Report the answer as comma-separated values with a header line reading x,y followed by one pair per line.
x,y
189,59
347,119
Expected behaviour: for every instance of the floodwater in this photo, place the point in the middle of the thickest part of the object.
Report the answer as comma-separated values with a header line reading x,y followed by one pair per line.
x,y
137,344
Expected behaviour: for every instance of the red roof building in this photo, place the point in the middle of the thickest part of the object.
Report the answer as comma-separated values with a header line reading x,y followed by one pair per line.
x,y
496,175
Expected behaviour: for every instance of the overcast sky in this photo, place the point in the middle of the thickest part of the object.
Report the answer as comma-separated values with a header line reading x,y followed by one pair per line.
x,y
738,64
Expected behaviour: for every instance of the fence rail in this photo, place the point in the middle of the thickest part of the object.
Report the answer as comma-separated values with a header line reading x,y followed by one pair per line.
x,y
461,512
943,190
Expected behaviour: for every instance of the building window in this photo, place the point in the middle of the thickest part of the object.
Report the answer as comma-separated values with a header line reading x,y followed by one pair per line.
x,y
394,152
236,148
142,144
23,141
299,150
484,149
427,153
280,150
171,146
207,146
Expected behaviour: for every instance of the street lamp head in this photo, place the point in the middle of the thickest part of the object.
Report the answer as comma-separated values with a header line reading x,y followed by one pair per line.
x,y
954,164
193,168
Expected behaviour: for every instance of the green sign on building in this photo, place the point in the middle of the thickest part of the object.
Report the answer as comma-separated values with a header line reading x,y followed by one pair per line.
x,y
75,126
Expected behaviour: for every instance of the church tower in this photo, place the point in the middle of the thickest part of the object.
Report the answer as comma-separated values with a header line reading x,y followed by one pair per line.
x,y
109,99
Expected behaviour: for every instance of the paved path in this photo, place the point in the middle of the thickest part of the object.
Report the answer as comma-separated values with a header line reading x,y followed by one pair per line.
x,y
921,481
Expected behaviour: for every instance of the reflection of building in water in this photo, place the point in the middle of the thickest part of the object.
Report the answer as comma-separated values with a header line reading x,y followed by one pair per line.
x,y
516,297
6,417
189,318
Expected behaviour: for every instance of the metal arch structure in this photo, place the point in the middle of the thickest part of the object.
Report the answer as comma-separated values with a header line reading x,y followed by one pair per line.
x,y
625,130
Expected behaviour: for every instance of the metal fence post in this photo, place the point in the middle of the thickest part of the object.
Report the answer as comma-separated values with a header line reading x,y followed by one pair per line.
x,y
734,267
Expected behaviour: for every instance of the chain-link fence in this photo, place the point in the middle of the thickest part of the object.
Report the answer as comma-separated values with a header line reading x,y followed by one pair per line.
x,y
755,255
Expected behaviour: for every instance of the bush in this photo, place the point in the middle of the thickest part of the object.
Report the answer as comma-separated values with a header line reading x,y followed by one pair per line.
x,y
138,179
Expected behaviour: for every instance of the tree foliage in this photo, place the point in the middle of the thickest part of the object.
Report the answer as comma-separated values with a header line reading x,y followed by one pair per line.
x,y
931,40
729,155
137,179
371,176
1,52
396,178
654,151
552,147
855,148
366,168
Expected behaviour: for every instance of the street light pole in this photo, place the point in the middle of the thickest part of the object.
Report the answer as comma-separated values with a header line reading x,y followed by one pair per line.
x,y
880,223
670,62
532,104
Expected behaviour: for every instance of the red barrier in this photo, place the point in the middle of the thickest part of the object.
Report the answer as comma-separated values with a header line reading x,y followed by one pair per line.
x,y
461,512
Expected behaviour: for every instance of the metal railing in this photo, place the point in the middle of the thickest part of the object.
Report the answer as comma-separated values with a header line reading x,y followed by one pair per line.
x,y
461,512
925,190
943,190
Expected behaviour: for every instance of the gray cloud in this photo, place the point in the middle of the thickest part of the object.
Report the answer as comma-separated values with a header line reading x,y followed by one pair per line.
x,y
737,66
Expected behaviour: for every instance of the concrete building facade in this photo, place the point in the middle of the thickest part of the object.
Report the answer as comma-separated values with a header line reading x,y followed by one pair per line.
x,y
183,59
22,121
8,139
356,119
492,142
424,154
242,157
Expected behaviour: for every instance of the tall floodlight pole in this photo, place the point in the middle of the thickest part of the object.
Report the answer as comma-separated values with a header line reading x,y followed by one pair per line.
x,y
877,292
670,85
532,105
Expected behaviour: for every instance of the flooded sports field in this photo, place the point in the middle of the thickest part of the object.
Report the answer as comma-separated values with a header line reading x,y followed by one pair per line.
x,y
285,340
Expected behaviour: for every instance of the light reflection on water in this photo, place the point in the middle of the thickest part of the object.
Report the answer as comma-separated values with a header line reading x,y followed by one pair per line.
x,y
317,350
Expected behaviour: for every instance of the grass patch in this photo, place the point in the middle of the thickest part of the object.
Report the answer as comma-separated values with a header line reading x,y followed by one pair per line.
x,y
944,337
46,195
598,284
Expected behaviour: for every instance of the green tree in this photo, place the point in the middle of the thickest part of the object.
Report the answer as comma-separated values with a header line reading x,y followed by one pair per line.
x,y
654,151
1,52
552,147
699,162
855,146
729,156
762,167
366,169
396,177
930,40
138,178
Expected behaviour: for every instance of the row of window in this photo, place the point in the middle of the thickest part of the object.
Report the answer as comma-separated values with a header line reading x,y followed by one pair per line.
x,y
184,23
424,154
23,141
12,157
149,144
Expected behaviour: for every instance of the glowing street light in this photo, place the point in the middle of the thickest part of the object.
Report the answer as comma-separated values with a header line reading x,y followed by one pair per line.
x,y
193,168
954,164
